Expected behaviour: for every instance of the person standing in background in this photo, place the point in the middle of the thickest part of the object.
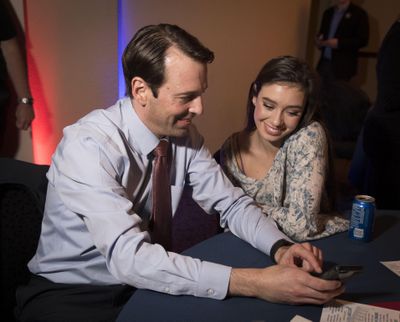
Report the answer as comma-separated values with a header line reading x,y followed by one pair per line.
x,y
344,30
13,67
381,128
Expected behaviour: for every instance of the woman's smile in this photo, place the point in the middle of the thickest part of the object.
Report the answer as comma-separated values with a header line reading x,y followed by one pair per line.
x,y
272,130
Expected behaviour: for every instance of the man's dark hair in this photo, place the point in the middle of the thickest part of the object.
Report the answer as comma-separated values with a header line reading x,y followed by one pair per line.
x,y
144,56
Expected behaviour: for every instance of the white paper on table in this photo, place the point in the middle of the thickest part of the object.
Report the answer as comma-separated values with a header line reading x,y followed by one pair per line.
x,y
394,266
298,318
343,311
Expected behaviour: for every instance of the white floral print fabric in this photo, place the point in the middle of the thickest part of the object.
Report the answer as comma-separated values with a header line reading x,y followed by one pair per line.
x,y
293,191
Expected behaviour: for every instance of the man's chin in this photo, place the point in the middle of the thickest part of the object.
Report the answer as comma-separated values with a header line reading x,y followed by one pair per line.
x,y
181,132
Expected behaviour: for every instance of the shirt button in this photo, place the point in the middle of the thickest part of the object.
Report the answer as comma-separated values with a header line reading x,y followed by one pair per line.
x,y
210,291
166,290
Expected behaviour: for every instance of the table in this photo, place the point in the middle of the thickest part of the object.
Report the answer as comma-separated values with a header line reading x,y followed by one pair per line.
x,y
375,284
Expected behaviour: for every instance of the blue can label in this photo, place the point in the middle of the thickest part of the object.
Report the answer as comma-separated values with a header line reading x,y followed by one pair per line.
x,y
362,218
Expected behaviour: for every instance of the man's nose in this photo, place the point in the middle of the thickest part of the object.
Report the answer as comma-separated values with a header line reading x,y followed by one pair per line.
x,y
196,106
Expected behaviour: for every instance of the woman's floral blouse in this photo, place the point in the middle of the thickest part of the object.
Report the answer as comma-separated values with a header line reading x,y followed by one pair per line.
x,y
293,190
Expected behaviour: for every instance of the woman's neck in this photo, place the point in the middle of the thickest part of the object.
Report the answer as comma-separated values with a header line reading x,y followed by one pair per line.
x,y
260,146
256,155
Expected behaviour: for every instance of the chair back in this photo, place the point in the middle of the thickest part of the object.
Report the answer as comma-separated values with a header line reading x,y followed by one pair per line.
x,y
22,195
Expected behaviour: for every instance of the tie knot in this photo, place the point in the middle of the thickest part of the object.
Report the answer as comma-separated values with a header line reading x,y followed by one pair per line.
x,y
161,149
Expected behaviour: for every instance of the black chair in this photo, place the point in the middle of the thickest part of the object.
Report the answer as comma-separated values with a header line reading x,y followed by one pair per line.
x,y
22,194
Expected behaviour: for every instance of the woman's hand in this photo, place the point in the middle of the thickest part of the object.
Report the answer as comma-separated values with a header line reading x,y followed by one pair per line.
x,y
304,255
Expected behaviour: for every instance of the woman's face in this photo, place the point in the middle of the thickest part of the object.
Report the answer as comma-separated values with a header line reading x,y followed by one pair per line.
x,y
278,110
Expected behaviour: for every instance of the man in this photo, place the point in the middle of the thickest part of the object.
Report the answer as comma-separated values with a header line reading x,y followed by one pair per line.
x,y
98,233
344,30
12,65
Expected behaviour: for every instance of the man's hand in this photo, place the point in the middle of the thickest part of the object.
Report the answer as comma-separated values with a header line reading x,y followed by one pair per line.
x,y
331,42
318,40
24,115
304,255
283,284
289,281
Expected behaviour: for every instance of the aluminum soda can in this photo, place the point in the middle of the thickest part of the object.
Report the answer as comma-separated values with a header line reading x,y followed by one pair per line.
x,y
362,218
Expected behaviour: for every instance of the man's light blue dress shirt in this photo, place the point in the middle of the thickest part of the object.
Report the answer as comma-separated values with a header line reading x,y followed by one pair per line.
x,y
98,204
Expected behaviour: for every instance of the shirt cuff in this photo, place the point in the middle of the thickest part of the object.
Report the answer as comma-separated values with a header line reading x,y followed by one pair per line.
x,y
276,246
214,280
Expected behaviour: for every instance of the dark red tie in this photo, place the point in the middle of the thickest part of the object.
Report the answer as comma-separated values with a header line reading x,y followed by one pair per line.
x,y
160,223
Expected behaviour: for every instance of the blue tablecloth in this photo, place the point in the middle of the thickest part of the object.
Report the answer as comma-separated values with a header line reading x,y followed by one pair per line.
x,y
375,284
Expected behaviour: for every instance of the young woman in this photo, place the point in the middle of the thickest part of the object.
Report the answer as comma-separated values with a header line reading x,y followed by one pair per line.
x,y
282,158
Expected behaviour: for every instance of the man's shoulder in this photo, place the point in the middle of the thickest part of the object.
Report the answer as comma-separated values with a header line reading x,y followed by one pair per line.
x,y
356,10
102,120
328,12
101,127
96,122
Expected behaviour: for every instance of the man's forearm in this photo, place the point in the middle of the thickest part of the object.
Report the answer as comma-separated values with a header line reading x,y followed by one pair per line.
x,y
282,284
243,281
16,67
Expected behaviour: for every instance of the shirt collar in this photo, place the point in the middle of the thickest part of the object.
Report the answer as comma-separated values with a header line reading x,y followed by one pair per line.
x,y
139,135
343,9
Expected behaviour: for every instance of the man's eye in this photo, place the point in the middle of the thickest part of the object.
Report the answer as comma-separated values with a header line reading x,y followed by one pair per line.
x,y
186,99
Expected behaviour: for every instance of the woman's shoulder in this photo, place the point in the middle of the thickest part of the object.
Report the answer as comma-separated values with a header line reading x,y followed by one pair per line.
x,y
231,142
313,132
227,149
310,138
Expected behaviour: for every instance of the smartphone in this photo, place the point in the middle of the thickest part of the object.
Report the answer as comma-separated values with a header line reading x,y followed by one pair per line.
x,y
340,272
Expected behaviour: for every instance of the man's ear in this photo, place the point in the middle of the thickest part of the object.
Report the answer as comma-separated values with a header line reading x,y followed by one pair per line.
x,y
140,90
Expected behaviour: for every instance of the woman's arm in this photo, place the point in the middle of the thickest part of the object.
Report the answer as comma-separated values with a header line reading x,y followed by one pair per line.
x,y
299,215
